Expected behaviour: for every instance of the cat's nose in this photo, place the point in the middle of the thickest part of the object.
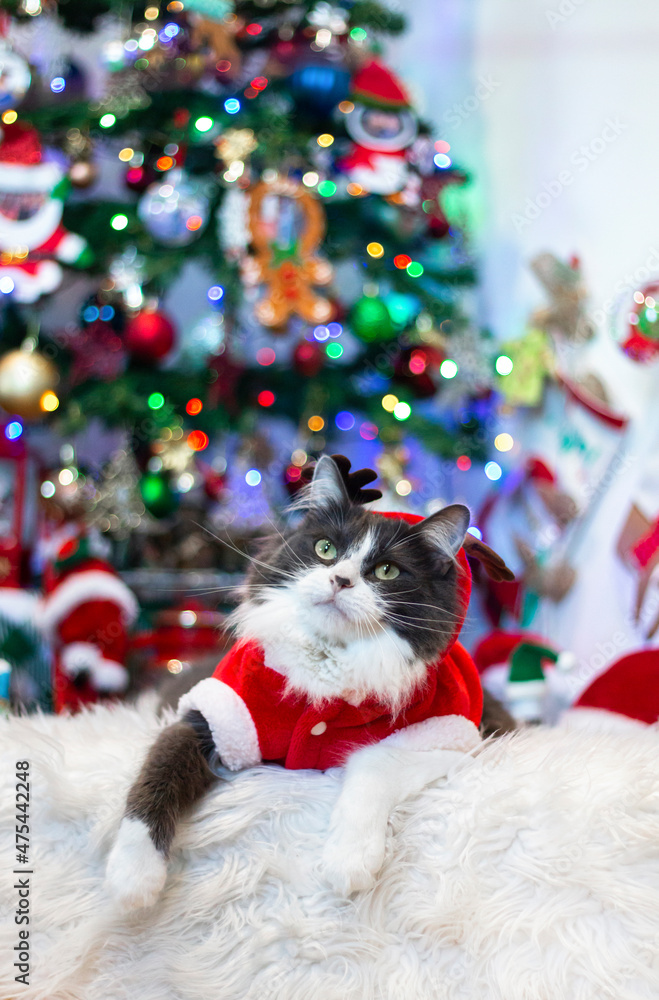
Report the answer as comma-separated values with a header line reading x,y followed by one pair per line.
x,y
341,581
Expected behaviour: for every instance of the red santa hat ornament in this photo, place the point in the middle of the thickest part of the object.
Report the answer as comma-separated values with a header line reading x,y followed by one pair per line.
x,y
20,149
375,84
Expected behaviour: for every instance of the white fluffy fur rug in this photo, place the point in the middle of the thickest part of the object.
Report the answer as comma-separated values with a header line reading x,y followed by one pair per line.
x,y
531,874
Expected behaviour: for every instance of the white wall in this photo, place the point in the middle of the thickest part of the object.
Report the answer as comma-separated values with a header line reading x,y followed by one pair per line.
x,y
565,141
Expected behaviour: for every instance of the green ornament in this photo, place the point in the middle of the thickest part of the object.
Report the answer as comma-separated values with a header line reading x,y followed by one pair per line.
x,y
370,320
156,494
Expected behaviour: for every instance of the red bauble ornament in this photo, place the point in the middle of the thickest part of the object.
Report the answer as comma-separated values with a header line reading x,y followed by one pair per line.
x,y
139,178
149,336
414,367
296,478
308,358
226,374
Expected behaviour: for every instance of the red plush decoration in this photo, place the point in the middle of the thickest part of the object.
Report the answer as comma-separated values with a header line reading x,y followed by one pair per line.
x,y
497,646
86,613
629,687
308,358
149,336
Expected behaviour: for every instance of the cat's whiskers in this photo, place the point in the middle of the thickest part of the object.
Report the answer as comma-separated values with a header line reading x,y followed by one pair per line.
x,y
379,632
245,555
286,542
442,611
423,628
374,632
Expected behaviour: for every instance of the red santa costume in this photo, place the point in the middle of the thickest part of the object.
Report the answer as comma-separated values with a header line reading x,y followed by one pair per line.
x,y
253,717
86,613
32,237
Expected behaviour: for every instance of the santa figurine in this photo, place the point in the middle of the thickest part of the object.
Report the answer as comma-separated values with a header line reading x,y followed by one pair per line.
x,y
86,610
382,126
32,237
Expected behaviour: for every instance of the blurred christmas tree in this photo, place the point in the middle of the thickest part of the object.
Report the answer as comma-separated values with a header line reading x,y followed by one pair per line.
x,y
228,244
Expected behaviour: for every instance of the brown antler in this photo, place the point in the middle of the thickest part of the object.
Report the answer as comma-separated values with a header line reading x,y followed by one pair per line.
x,y
354,482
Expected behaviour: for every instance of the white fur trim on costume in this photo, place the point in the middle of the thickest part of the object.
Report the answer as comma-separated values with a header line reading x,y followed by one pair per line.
x,y
79,656
32,232
88,585
19,606
136,871
19,177
106,675
109,676
445,732
231,725
70,247
30,287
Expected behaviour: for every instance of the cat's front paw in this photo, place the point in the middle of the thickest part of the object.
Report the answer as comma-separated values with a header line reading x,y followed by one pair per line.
x,y
136,870
352,860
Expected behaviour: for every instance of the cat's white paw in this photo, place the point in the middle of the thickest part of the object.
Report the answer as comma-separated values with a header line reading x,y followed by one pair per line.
x,y
136,871
352,860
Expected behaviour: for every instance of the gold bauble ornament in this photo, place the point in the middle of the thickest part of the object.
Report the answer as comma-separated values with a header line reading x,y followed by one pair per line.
x,y
24,378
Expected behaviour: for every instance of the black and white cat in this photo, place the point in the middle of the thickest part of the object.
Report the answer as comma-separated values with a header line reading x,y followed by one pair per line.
x,y
348,609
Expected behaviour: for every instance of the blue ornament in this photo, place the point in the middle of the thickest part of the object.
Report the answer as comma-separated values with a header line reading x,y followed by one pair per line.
x,y
319,87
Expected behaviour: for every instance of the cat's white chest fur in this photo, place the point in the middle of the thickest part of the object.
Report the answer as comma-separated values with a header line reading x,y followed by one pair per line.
x,y
374,663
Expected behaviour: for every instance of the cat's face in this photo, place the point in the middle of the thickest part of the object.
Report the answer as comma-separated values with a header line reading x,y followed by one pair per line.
x,y
351,575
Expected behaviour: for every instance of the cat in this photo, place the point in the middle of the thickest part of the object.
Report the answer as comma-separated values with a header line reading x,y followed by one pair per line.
x,y
346,654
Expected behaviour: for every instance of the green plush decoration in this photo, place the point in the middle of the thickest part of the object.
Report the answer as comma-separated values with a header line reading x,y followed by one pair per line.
x,y
526,662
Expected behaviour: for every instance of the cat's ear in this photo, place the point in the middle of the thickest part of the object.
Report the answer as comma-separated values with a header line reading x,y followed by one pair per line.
x,y
326,487
446,530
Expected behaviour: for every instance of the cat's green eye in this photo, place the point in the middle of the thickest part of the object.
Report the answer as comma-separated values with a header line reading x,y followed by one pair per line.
x,y
386,571
325,549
